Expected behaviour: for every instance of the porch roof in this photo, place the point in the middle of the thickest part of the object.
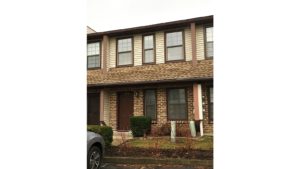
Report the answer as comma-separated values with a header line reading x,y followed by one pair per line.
x,y
181,71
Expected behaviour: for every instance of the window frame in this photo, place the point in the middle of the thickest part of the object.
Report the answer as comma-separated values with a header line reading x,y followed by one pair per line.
x,y
205,41
100,54
166,47
186,104
144,103
132,51
154,49
210,120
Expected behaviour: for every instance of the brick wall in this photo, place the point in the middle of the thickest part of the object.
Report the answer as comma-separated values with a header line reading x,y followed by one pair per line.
x,y
161,93
207,126
113,109
138,103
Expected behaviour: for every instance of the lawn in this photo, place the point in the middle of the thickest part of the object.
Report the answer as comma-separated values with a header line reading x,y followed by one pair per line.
x,y
203,143
162,147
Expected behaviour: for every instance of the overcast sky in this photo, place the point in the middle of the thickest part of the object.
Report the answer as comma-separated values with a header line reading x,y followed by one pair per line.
x,y
104,15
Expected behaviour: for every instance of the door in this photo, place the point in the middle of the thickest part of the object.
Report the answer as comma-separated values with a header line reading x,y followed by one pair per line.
x,y
125,110
93,109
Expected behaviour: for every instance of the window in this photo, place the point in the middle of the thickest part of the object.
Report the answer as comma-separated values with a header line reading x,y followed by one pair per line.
x,y
93,55
124,56
174,46
148,49
209,42
150,104
177,104
210,95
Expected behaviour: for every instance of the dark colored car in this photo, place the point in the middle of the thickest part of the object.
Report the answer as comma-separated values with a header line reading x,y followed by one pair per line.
x,y
95,147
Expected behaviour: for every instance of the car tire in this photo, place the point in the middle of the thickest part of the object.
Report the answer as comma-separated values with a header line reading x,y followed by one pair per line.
x,y
94,158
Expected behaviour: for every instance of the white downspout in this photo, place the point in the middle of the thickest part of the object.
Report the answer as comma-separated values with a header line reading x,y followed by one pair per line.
x,y
200,108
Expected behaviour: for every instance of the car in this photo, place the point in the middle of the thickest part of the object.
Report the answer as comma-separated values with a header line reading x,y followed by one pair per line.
x,y
95,150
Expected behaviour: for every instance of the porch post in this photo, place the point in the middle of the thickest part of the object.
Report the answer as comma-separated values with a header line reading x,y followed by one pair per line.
x,y
200,103
198,111
196,101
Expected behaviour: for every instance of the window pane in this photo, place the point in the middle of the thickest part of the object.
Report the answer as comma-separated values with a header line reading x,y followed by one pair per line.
x,y
209,34
124,45
93,61
175,53
149,57
148,42
177,111
150,104
209,49
174,38
177,104
93,48
125,58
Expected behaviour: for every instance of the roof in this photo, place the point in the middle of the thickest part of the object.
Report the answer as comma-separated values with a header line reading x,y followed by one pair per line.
x,y
153,27
181,71
90,30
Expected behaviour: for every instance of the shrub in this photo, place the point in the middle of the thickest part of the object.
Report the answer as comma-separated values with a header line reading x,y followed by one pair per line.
x,y
105,131
140,125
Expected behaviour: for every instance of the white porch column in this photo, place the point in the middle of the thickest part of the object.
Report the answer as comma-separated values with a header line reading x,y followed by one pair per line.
x,y
200,108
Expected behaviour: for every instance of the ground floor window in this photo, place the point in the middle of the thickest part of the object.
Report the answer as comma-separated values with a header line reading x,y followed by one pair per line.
x,y
177,104
210,96
150,104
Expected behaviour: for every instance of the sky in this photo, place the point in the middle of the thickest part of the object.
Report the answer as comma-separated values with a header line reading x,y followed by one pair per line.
x,y
104,15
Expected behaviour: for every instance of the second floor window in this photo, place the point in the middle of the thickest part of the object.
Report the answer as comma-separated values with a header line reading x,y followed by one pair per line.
x,y
148,49
209,42
174,46
93,55
124,56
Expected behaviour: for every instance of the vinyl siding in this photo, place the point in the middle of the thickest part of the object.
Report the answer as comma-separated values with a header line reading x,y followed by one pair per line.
x,y
159,40
137,50
112,53
200,42
188,44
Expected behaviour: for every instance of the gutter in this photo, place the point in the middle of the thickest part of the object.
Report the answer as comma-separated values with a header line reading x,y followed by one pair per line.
x,y
149,82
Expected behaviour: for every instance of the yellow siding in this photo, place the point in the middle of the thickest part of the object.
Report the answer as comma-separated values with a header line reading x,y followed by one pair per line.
x,y
159,40
199,42
112,53
137,50
188,44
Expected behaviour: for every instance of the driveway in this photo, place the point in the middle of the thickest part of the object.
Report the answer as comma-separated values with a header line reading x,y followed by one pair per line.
x,y
150,166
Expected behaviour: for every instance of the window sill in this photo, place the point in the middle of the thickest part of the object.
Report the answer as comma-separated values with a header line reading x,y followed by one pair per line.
x,y
209,58
94,68
174,61
118,66
152,63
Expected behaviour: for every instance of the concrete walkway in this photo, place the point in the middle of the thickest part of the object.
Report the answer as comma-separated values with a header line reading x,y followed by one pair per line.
x,y
150,166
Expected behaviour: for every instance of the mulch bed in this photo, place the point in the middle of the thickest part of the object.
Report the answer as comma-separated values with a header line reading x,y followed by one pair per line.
x,y
159,153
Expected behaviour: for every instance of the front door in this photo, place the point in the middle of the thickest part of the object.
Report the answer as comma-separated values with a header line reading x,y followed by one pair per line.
x,y
93,109
125,110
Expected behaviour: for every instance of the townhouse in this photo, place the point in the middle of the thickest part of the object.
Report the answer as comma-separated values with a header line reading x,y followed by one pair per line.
x,y
164,71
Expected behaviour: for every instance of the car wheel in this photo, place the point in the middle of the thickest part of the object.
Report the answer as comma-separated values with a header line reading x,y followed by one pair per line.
x,y
94,158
